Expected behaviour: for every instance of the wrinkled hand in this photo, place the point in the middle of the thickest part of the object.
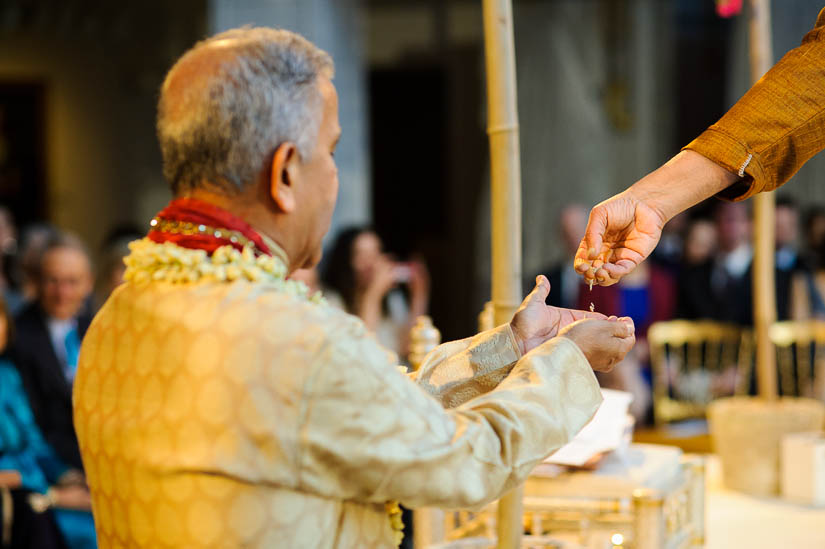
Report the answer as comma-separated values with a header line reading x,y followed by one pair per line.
x,y
621,233
603,342
535,322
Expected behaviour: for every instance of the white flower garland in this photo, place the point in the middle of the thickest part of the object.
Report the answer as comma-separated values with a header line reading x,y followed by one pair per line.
x,y
168,262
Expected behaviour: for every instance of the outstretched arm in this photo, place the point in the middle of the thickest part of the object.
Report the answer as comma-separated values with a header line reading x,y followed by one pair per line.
x,y
624,230
368,434
757,146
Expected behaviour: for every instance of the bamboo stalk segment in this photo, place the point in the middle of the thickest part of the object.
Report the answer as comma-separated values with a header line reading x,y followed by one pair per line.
x,y
764,287
505,179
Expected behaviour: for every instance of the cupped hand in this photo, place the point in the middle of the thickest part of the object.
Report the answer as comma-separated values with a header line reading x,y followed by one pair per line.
x,y
621,232
603,342
535,322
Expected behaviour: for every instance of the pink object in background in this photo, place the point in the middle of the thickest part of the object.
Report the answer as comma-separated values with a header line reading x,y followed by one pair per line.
x,y
728,8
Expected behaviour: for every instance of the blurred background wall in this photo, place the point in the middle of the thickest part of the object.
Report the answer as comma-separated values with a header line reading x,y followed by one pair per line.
x,y
608,90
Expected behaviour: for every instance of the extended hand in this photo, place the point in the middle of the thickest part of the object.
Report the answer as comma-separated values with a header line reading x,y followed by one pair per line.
x,y
623,230
621,233
535,322
603,342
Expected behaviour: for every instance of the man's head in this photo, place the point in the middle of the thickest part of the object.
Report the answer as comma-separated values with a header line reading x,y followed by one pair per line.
x,y
787,222
248,119
732,224
65,278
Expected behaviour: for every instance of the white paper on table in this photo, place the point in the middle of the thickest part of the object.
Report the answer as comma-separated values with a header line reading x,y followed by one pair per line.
x,y
605,432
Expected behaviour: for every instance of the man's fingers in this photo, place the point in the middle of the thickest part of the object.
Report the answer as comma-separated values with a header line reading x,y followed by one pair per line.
x,y
603,277
629,321
623,327
618,269
581,263
594,234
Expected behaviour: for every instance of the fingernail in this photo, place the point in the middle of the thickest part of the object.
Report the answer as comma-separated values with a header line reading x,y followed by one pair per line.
x,y
538,280
592,253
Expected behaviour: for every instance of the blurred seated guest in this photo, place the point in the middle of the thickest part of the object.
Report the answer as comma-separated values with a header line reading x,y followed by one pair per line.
x,y
49,332
786,235
362,280
8,232
46,480
700,242
110,274
720,288
565,282
814,256
794,280
814,233
34,240
8,253
815,293
668,253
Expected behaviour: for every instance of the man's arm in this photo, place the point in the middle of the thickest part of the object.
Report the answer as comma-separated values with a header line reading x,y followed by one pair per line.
x,y
758,145
777,126
370,435
457,371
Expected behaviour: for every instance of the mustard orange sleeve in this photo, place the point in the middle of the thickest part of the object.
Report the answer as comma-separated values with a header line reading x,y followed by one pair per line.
x,y
777,126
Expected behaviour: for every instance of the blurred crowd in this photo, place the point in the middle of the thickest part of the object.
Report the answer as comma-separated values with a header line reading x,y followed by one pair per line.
x,y
701,270
49,294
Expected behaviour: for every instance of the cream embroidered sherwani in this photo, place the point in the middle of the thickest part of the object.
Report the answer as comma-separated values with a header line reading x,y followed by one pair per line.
x,y
235,415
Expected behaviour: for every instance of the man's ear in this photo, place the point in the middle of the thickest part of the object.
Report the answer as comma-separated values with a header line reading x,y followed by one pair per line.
x,y
283,176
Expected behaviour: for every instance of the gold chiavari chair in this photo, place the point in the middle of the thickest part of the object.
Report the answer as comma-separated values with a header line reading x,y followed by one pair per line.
x,y
694,362
800,353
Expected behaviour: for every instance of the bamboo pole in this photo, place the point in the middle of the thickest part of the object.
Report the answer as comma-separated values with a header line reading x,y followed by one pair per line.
x,y
764,287
505,178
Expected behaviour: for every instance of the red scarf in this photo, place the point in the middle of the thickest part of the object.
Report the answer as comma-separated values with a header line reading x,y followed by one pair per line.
x,y
197,212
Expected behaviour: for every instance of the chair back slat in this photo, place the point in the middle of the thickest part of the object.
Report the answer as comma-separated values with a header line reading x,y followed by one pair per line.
x,y
694,362
800,351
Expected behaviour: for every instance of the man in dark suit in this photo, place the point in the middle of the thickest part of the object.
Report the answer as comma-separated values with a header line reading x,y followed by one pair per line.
x,y
720,288
47,345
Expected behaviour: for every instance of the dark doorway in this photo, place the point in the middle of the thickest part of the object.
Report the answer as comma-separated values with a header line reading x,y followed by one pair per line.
x,y
702,44
23,150
428,164
408,156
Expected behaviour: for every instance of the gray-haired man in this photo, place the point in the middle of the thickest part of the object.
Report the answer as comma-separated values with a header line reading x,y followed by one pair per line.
x,y
217,404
